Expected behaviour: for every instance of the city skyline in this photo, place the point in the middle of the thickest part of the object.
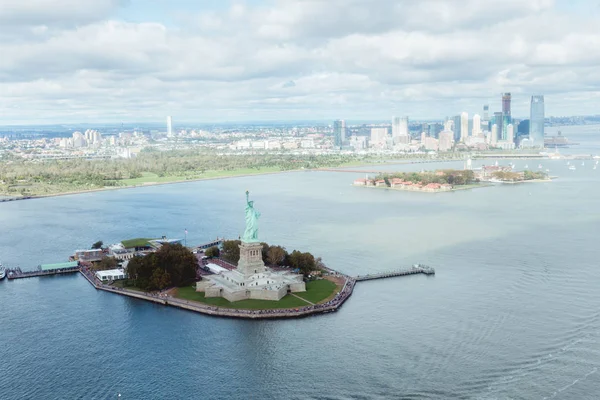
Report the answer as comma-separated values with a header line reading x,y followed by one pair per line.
x,y
118,61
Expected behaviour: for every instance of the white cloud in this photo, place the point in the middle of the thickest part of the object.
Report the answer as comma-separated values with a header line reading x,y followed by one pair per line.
x,y
347,58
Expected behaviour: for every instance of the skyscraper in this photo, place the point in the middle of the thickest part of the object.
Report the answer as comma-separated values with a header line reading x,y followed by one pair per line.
x,y
510,133
486,112
404,126
464,126
498,121
457,132
339,133
476,125
494,138
506,117
395,127
169,126
536,121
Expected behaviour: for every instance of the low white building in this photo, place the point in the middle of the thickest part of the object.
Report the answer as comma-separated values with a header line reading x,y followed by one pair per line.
x,y
111,275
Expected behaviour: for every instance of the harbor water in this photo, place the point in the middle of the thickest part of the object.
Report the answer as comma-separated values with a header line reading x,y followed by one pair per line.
x,y
513,311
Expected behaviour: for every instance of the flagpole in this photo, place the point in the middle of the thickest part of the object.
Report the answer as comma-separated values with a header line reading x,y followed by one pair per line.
x,y
185,242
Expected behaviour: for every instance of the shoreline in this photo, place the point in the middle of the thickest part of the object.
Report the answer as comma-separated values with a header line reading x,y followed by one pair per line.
x,y
148,184
337,301
454,189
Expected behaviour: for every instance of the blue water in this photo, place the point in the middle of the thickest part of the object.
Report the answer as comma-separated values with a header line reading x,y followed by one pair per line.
x,y
513,311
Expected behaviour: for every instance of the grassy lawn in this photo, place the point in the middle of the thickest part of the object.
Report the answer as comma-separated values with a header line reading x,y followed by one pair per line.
x,y
189,293
317,291
137,242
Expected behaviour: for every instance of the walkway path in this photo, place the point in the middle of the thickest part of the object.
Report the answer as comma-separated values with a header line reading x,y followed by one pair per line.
x,y
163,298
298,297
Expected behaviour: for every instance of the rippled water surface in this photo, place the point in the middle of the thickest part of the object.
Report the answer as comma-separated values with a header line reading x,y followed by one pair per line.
x,y
513,312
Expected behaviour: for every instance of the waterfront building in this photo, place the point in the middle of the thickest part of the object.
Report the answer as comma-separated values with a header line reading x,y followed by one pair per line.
x,y
476,125
536,120
251,279
111,275
339,133
464,126
446,140
169,126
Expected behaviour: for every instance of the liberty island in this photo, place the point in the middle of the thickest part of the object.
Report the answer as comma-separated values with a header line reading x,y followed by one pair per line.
x,y
251,279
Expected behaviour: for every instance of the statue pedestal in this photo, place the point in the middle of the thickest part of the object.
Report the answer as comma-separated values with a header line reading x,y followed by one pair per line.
x,y
251,261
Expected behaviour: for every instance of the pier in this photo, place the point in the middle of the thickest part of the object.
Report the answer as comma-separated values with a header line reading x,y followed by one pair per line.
x,y
43,270
217,242
415,269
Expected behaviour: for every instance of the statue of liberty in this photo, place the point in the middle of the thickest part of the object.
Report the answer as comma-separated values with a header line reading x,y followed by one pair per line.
x,y
251,232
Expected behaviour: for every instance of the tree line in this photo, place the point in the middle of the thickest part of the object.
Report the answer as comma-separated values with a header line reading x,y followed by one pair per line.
x,y
450,176
171,266
274,256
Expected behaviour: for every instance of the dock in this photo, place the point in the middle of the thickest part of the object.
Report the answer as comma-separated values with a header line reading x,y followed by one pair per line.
x,y
415,269
43,270
217,242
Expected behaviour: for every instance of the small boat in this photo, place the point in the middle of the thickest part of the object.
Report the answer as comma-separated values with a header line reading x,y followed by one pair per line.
x,y
526,166
540,166
2,271
568,162
547,170
572,167
583,163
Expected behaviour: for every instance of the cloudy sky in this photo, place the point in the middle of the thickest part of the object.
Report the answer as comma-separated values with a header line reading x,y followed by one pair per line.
x,y
258,60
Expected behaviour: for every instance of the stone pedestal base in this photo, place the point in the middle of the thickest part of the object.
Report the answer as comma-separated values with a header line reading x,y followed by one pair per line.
x,y
251,261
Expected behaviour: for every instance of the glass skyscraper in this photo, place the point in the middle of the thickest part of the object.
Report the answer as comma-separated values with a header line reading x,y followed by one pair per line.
x,y
536,121
339,133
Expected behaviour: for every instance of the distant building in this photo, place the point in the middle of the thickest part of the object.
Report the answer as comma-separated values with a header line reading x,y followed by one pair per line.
x,y
378,137
456,128
476,125
339,133
486,113
445,141
358,142
506,114
169,126
510,133
498,121
494,136
464,126
536,120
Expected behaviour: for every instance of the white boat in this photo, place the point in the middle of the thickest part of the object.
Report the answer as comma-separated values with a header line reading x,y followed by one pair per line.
x,y
547,170
583,163
572,167
594,167
526,166
568,162
2,271
540,166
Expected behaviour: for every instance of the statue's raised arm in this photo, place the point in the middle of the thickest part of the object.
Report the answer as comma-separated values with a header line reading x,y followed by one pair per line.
x,y
251,232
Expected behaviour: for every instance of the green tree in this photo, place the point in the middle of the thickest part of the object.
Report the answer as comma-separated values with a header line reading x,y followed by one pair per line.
x,y
231,251
212,252
98,245
105,263
276,255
